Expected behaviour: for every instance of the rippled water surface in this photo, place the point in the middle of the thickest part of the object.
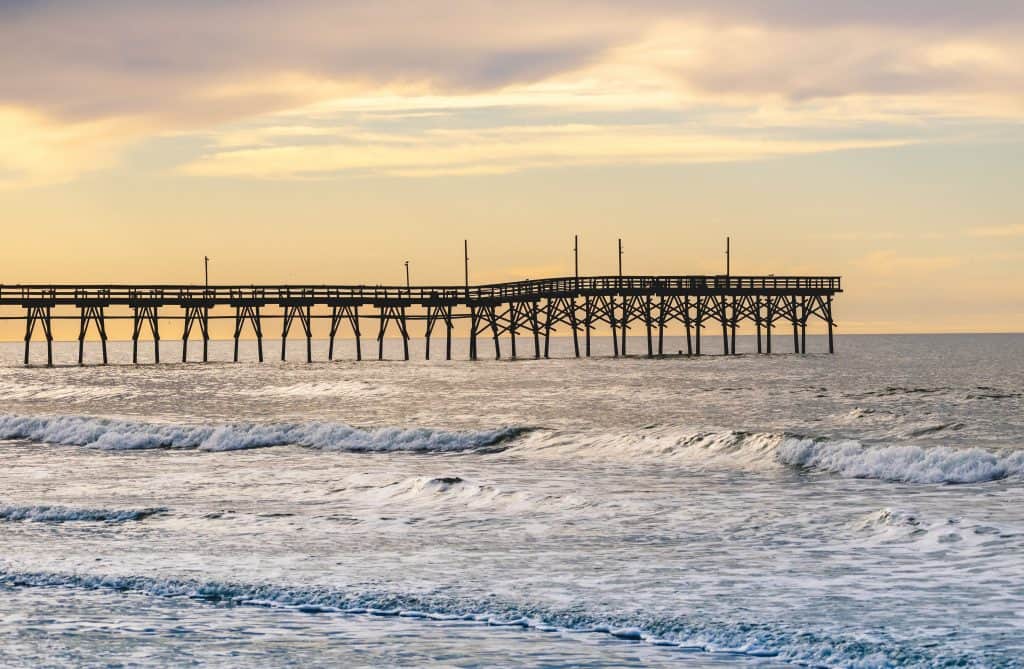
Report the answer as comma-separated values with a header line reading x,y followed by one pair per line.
x,y
862,509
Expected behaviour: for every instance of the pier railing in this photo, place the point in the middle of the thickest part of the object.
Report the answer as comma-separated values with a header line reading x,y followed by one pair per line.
x,y
76,294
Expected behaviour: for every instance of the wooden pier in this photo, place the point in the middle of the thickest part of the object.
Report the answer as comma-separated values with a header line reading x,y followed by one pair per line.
x,y
533,309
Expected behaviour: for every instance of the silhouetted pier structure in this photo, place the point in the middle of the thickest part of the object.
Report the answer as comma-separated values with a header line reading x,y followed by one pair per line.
x,y
532,308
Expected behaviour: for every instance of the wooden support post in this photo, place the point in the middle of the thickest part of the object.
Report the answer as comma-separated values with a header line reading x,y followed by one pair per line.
x,y
536,321
354,320
757,320
495,330
725,327
612,321
40,314
145,315
286,325
248,313
661,327
699,321
547,328
769,324
448,333
574,325
91,314
303,313
647,323
472,332
512,330
403,327
803,325
431,319
796,333
588,319
194,314
828,319
733,324
686,322
625,321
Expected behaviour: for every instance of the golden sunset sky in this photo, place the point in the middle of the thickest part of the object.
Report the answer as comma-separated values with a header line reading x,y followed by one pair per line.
x,y
328,142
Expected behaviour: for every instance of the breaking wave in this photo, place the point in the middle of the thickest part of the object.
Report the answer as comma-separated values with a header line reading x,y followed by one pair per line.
x,y
116,435
64,514
759,450
693,633
907,464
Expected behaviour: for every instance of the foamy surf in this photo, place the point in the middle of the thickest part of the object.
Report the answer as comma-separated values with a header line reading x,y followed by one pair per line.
x,y
442,491
65,514
697,633
764,450
115,435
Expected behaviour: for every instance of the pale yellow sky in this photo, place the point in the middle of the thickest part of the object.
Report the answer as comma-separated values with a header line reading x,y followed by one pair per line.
x,y
320,143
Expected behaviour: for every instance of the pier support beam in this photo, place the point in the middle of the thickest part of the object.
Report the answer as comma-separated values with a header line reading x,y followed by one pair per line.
x,y
302,312
196,314
143,315
441,312
831,324
91,314
39,314
248,313
396,313
340,313
561,310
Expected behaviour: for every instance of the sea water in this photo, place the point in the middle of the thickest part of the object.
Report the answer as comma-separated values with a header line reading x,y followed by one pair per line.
x,y
864,509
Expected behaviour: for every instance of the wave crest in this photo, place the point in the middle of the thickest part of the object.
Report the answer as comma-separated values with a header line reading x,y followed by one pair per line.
x,y
64,514
114,435
848,458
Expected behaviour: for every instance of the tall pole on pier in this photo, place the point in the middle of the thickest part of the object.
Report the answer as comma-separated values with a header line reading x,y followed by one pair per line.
x,y
465,254
576,254
728,260
620,257
206,271
407,275
576,260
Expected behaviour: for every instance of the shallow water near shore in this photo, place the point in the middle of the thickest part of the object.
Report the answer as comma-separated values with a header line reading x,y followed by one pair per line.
x,y
861,509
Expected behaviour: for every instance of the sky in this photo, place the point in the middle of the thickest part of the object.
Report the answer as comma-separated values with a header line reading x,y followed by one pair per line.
x,y
329,142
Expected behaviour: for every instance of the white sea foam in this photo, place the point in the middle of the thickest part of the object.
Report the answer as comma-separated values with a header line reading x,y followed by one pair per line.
x,y
909,464
902,526
758,450
692,633
21,390
64,514
109,434
343,388
454,490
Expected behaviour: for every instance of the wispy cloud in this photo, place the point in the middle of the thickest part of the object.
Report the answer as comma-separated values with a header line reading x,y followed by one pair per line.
x,y
1011,230
490,151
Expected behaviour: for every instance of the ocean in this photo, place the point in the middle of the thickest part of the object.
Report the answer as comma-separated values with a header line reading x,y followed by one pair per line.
x,y
864,509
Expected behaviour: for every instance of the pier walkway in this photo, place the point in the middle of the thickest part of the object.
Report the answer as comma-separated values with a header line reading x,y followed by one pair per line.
x,y
532,308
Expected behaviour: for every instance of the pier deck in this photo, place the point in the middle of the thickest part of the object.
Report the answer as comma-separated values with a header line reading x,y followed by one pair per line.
x,y
534,308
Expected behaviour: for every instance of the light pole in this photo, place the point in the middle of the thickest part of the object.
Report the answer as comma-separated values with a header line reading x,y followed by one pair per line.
x,y
576,254
465,254
407,275
620,257
728,259
206,271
